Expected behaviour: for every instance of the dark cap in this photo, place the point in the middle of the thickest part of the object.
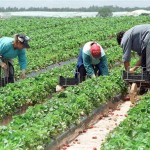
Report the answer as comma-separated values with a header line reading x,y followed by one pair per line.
x,y
24,40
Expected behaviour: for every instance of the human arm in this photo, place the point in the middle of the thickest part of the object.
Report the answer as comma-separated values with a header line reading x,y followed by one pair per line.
x,y
23,63
138,63
103,66
126,65
2,64
126,45
3,47
88,66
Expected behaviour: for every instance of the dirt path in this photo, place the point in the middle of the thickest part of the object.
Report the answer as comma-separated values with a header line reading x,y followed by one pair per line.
x,y
92,138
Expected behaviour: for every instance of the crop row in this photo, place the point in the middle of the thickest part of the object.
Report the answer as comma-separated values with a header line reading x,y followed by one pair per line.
x,y
35,90
57,39
42,123
134,132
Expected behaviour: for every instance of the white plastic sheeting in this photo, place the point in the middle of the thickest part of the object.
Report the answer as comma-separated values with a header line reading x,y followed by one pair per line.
x,y
137,13
5,15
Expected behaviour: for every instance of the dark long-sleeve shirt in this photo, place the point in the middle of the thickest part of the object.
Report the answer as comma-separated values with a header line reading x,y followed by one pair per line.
x,y
135,39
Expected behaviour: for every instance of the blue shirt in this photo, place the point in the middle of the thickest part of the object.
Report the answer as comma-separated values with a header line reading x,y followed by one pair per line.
x,y
7,51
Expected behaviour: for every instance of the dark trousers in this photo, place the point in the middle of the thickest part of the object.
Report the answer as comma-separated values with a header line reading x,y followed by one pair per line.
x,y
143,59
9,78
83,73
11,73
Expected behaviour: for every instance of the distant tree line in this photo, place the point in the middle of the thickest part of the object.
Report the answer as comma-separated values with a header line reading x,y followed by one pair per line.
x,y
67,9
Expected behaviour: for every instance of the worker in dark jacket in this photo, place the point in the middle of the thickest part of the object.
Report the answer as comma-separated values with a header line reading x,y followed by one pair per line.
x,y
11,48
137,39
91,61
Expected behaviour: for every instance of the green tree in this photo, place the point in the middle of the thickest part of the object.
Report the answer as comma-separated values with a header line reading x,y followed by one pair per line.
x,y
104,12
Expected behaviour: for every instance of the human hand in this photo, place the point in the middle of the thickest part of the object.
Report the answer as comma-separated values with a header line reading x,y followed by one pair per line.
x,y
3,65
131,70
23,75
93,76
59,88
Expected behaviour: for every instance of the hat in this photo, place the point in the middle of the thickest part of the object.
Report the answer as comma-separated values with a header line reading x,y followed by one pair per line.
x,y
24,40
95,50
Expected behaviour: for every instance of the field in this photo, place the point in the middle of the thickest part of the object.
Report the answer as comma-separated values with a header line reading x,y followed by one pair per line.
x,y
59,39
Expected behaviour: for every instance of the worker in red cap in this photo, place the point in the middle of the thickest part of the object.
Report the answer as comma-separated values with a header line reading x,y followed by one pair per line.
x,y
92,61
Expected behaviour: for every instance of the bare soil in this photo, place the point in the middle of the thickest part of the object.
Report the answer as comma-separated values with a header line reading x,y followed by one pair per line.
x,y
92,138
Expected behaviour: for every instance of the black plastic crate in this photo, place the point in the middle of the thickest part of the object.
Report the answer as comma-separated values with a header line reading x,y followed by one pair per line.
x,y
135,76
68,81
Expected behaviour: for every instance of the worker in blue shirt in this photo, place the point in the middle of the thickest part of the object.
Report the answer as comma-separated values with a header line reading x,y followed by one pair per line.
x,y
11,48
92,60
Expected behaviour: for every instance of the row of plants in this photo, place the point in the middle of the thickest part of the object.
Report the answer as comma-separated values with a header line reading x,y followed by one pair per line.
x,y
46,121
42,123
56,39
35,90
134,132
30,91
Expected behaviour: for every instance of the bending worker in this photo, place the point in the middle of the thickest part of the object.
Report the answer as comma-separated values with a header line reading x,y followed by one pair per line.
x,y
92,61
11,48
137,39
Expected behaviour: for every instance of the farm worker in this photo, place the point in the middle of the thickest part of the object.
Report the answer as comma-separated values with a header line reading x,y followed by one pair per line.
x,y
91,61
11,48
137,39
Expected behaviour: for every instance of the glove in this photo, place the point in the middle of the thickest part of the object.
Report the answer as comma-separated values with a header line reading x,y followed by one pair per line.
x,y
23,74
59,88
93,76
3,65
131,70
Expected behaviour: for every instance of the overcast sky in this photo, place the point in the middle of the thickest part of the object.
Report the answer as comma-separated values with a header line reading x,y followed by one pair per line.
x,y
73,3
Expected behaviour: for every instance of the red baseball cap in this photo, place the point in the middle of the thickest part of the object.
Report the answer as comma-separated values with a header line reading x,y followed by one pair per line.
x,y
95,50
